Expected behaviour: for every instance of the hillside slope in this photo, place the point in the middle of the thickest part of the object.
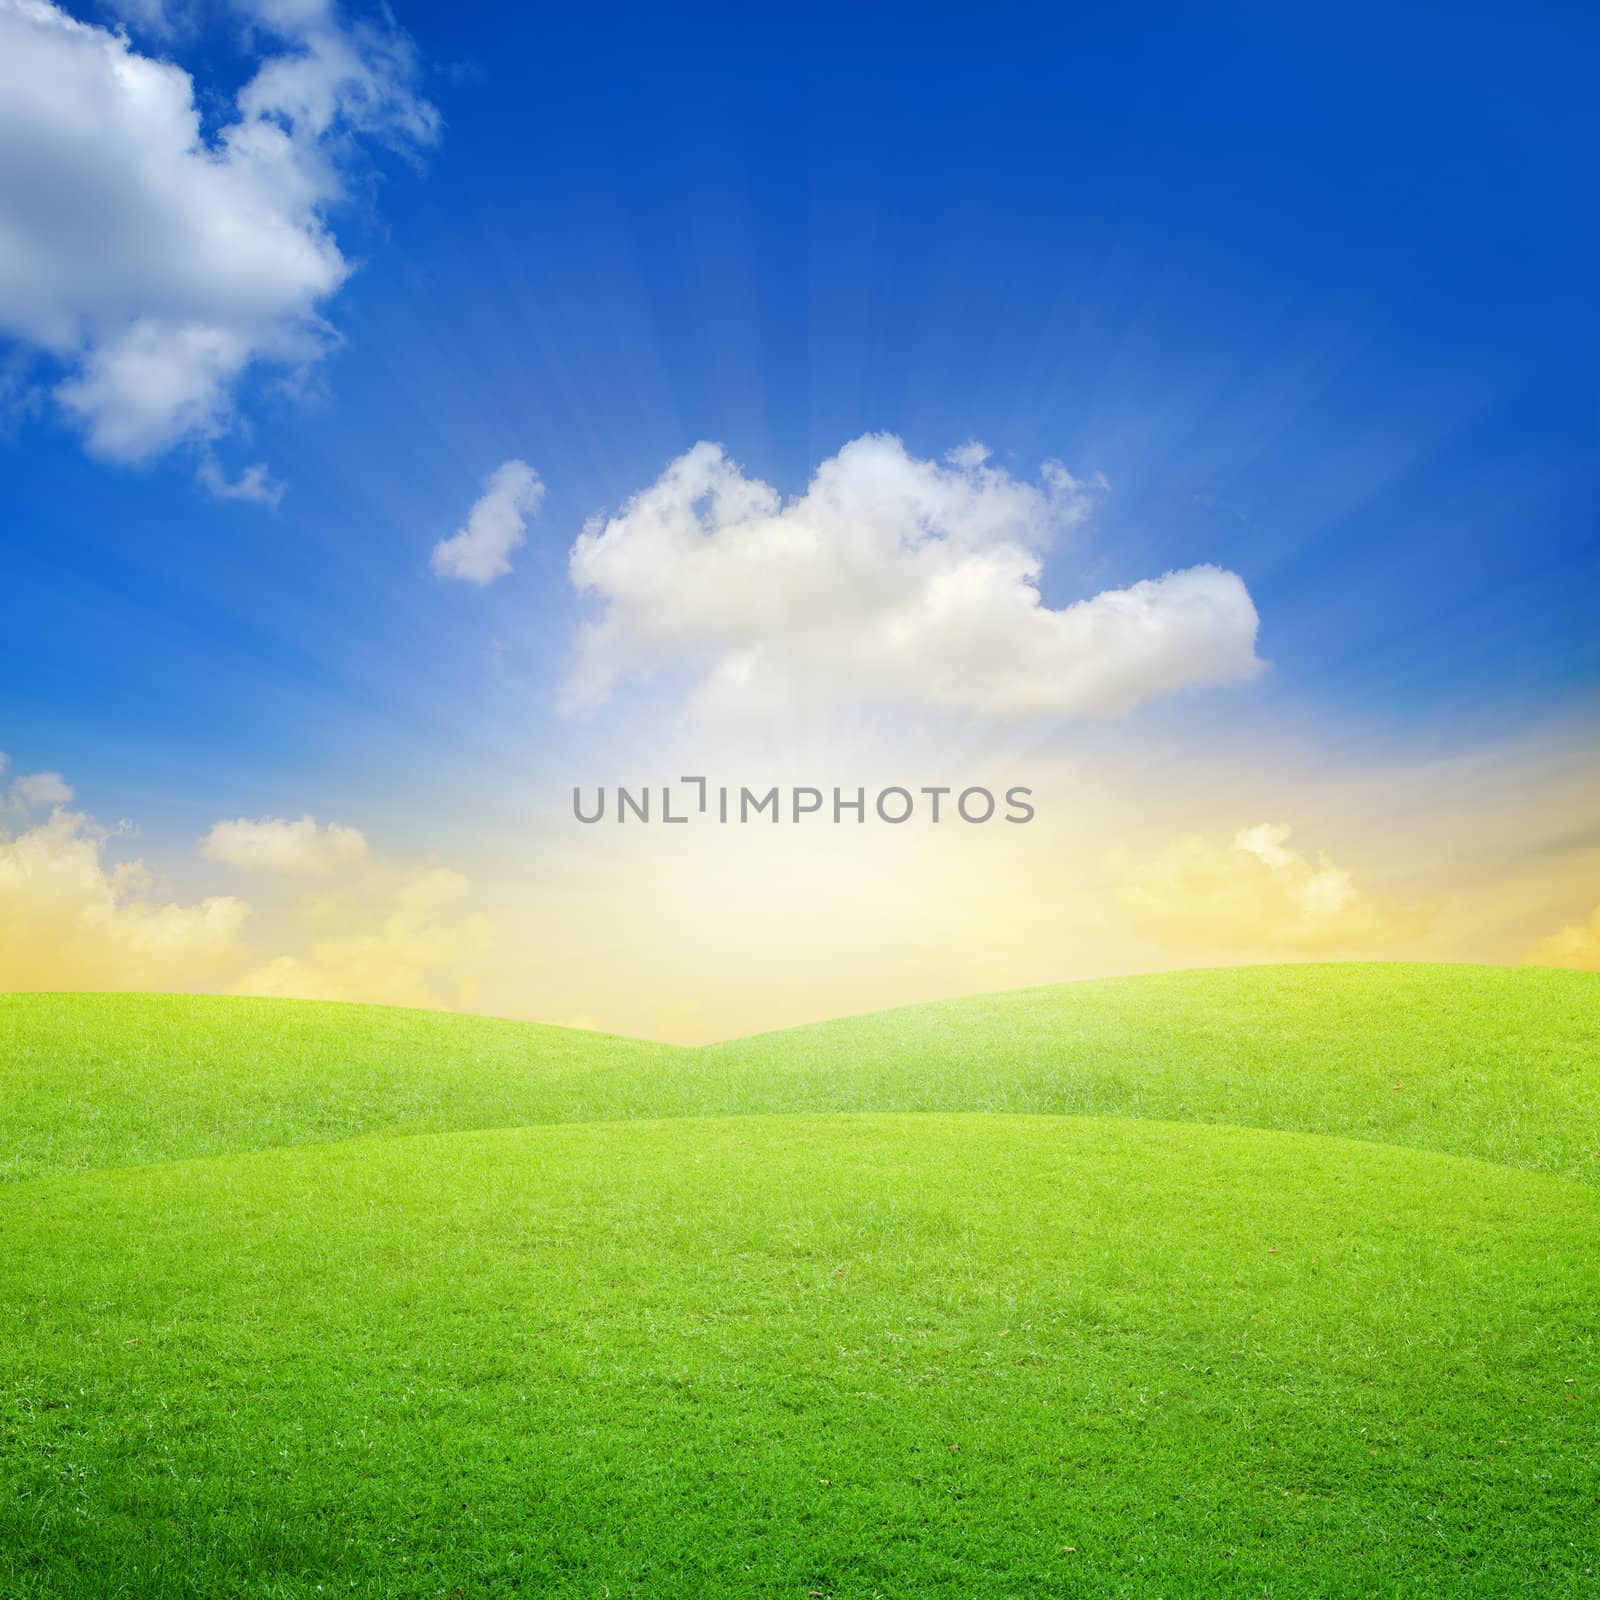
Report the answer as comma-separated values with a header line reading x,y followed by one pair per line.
x,y
1501,1063
955,1356
304,1300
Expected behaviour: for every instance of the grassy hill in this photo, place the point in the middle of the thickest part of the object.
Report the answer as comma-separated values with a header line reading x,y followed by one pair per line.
x,y
1488,1061
621,1319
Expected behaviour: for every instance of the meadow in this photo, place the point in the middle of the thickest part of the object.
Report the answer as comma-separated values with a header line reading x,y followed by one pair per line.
x,y
1259,1282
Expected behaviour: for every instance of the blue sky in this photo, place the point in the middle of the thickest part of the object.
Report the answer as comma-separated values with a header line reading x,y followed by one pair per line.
x,y
1314,293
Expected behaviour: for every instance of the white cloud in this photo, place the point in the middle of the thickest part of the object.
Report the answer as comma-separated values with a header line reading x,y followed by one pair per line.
x,y
40,791
892,579
480,552
271,844
1577,945
155,262
255,484
1259,894
67,921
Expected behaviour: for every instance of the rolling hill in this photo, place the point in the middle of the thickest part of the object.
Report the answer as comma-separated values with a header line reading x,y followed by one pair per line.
x,y
1263,1282
1488,1061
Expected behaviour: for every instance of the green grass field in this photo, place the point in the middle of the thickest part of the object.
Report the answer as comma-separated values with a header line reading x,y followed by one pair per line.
x,y
1261,1282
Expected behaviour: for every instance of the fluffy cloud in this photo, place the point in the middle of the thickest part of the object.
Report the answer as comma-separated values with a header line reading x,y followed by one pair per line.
x,y
1258,894
391,933
155,262
68,921
890,578
480,552
394,948
39,791
271,844
1576,945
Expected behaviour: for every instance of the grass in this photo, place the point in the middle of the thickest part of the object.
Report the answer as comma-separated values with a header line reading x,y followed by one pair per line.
x,y
1489,1061
664,1340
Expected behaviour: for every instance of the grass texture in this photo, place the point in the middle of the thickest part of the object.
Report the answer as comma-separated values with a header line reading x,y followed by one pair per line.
x,y
1486,1061
1216,1310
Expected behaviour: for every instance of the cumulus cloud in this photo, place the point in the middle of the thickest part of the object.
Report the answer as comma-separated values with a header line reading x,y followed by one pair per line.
x,y
69,921
890,578
1257,893
154,261
389,932
39,791
271,844
409,945
480,552
1576,945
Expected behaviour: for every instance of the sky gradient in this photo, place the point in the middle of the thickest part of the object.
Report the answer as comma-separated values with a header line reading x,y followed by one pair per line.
x,y
1304,303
